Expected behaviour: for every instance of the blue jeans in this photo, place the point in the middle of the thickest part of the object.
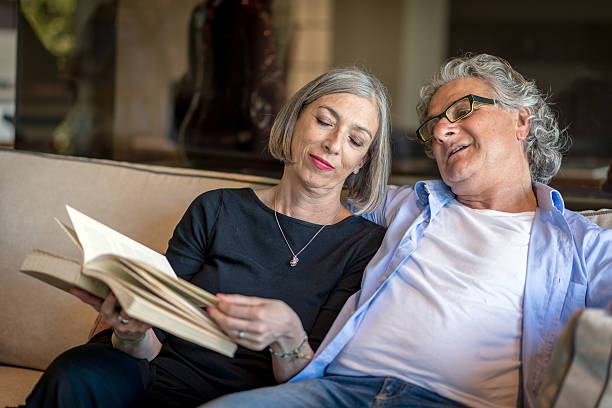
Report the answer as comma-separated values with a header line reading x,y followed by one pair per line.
x,y
336,391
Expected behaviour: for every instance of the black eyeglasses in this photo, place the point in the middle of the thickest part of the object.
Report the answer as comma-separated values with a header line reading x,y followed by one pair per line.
x,y
460,109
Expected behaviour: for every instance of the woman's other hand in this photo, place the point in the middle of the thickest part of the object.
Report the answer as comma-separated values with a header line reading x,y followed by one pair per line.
x,y
257,323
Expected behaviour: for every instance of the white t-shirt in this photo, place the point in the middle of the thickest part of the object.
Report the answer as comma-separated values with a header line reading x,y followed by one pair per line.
x,y
450,320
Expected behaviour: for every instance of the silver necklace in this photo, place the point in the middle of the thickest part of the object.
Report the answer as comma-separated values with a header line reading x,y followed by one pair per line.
x,y
295,258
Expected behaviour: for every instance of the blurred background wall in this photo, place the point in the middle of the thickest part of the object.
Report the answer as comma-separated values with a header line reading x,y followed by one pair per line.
x,y
197,83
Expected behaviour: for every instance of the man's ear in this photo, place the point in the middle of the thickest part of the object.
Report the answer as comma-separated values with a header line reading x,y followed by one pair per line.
x,y
523,124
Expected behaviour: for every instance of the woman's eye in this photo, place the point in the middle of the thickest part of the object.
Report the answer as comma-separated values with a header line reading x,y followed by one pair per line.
x,y
323,122
356,141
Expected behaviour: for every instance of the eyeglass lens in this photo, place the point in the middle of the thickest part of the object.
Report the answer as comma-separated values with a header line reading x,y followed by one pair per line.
x,y
455,112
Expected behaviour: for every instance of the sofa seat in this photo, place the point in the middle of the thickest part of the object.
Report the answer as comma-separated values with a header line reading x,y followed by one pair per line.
x,y
16,383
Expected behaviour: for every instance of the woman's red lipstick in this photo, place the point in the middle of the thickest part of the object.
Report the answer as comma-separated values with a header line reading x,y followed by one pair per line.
x,y
320,163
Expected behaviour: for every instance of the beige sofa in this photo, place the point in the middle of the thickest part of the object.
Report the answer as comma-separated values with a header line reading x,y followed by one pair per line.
x,y
37,322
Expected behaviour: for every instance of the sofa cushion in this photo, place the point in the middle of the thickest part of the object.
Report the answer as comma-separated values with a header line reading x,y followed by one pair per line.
x,y
37,322
602,217
15,384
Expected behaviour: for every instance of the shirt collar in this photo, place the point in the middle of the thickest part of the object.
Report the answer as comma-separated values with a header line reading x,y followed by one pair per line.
x,y
548,198
436,194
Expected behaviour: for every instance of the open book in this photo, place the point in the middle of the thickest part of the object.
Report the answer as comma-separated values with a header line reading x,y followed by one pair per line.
x,y
143,281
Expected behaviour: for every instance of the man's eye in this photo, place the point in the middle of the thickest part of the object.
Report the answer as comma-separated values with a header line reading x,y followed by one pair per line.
x,y
461,112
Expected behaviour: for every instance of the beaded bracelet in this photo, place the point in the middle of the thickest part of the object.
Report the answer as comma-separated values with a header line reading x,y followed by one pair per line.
x,y
125,341
297,352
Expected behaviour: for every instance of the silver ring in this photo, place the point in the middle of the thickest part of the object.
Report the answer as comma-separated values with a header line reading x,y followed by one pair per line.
x,y
241,334
123,321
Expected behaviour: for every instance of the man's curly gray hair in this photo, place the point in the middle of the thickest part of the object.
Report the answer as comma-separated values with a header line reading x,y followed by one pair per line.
x,y
545,143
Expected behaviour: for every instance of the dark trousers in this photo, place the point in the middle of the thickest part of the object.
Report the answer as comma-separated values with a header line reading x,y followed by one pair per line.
x,y
92,375
98,376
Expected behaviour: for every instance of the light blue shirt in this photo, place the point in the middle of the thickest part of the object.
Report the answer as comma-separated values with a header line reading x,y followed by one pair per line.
x,y
569,267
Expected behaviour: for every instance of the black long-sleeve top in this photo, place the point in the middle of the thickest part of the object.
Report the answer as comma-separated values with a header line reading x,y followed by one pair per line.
x,y
228,242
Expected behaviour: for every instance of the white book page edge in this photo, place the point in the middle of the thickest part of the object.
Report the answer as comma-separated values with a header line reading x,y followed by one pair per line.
x,y
97,239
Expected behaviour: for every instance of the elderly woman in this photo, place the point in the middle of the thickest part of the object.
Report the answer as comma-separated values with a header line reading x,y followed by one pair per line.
x,y
282,260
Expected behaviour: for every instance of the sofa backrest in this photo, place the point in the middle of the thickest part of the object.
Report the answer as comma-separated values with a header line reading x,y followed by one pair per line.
x,y
144,202
602,217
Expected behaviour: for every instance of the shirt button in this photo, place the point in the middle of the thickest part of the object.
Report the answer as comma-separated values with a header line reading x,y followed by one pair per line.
x,y
384,278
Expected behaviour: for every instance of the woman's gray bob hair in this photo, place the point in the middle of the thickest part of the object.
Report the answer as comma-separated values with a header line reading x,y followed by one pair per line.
x,y
365,189
545,143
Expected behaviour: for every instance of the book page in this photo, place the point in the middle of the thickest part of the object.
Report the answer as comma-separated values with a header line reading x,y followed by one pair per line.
x,y
98,239
196,295
71,233
60,272
110,270
122,269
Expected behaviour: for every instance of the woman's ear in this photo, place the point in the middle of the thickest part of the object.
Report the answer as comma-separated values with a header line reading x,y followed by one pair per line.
x,y
523,124
362,163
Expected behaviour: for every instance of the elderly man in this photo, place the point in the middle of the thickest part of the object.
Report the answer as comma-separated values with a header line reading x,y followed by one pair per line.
x,y
477,274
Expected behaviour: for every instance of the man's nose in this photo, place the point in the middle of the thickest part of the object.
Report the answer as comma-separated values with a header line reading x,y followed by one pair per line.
x,y
444,129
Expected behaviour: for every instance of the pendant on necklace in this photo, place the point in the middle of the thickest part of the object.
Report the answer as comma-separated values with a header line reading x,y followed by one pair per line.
x,y
294,260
